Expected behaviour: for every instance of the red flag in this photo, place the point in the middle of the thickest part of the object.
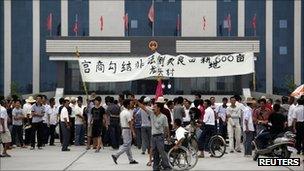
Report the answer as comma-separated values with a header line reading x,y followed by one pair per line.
x,y
178,23
151,13
49,22
229,22
126,21
101,23
204,23
159,89
75,28
254,22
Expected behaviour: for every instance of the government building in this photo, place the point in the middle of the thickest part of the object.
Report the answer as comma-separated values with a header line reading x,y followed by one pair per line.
x,y
38,41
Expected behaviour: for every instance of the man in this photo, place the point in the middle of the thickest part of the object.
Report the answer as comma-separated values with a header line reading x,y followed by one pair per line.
x,y
38,112
79,127
261,115
45,123
222,115
248,128
298,125
178,110
208,128
113,112
159,127
145,126
213,105
27,112
234,127
72,119
127,132
18,124
5,135
58,110
285,106
65,125
293,104
52,117
179,133
187,118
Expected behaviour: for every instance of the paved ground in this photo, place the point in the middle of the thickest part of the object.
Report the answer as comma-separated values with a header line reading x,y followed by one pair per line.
x,y
51,158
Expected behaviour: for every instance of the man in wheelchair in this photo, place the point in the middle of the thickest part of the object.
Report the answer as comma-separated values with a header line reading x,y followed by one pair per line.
x,y
180,133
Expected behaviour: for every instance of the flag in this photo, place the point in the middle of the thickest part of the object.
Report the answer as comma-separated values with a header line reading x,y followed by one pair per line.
x,y
204,23
49,22
151,13
101,23
126,21
159,89
178,23
75,28
254,22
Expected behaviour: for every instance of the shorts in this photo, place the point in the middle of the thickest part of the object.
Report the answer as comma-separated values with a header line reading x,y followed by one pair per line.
x,y
89,131
6,137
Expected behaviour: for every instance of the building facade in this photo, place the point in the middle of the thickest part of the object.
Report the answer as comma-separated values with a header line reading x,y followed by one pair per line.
x,y
28,63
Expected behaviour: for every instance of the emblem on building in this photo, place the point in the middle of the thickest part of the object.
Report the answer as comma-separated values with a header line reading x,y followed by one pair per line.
x,y
153,45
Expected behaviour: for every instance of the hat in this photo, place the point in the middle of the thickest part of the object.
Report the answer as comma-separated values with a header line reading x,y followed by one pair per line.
x,y
73,99
160,100
263,97
249,100
67,98
147,99
30,99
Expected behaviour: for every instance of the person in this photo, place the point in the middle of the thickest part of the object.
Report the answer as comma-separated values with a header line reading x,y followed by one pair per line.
x,y
137,126
298,125
208,128
178,110
9,108
234,127
65,125
89,120
52,117
45,123
58,110
27,112
79,119
38,111
293,104
285,105
186,119
127,132
248,127
170,107
98,113
5,135
18,124
261,115
213,104
113,112
159,129
72,118
179,133
221,113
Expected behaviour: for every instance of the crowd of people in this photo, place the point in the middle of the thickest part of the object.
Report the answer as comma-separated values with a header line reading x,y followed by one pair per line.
x,y
144,122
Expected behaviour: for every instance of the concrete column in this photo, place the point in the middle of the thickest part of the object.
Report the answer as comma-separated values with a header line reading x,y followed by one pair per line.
x,y
7,48
241,18
297,42
64,18
36,46
269,46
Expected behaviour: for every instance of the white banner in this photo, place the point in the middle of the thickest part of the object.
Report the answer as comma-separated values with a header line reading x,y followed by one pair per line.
x,y
118,69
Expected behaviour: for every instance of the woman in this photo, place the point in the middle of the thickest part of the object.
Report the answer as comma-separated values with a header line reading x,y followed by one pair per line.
x,y
97,121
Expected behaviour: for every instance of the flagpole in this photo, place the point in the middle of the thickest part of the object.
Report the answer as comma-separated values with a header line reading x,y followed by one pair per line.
x,y
153,18
254,81
179,25
83,83
51,19
76,22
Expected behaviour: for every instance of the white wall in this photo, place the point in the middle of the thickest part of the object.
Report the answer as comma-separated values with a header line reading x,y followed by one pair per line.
x,y
192,16
112,12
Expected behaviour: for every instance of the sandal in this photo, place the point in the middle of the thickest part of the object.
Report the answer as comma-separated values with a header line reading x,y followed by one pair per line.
x,y
149,164
201,156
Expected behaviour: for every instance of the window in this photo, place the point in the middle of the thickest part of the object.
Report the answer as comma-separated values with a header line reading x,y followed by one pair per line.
x,y
227,0
158,0
283,23
171,0
134,24
283,50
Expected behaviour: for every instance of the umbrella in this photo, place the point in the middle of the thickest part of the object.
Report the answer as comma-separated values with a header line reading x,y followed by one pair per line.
x,y
298,92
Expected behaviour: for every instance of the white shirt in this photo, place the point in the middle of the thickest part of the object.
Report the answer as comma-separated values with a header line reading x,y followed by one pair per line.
x,y
299,113
290,114
79,111
221,112
64,114
27,109
187,117
4,116
180,133
248,117
235,114
125,118
209,118
52,112
45,117
73,110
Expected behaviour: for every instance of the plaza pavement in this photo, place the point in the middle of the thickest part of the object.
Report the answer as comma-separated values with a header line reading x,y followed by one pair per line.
x,y
51,158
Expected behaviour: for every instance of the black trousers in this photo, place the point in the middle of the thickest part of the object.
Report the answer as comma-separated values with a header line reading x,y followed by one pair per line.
x,y
300,136
65,136
28,136
72,136
115,133
207,132
37,127
46,131
52,134
17,134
